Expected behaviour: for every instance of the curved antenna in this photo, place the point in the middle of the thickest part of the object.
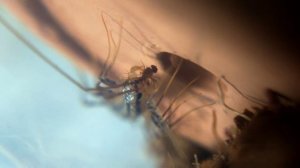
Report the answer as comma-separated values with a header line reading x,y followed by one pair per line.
x,y
43,57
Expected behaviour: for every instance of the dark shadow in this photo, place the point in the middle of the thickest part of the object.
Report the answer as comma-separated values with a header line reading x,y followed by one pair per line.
x,y
44,18
271,138
277,20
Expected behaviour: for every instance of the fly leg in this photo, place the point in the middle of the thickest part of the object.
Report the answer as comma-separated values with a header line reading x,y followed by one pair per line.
x,y
145,46
226,106
42,56
87,98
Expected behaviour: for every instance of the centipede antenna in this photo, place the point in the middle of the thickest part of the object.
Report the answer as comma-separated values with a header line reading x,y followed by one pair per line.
x,y
170,82
248,97
222,98
43,57
189,112
179,94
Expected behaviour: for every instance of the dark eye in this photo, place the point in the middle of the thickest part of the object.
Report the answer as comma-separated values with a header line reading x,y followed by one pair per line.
x,y
154,68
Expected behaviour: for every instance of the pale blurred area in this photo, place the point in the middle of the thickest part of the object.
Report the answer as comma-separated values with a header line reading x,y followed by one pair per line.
x,y
43,122
254,44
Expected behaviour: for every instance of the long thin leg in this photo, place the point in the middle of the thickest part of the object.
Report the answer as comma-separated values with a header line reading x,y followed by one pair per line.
x,y
222,99
165,117
248,97
215,130
117,46
43,57
83,95
53,65
164,93
103,72
107,66
168,117
132,36
152,106
189,112
169,83
128,32
179,94
107,94
156,117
